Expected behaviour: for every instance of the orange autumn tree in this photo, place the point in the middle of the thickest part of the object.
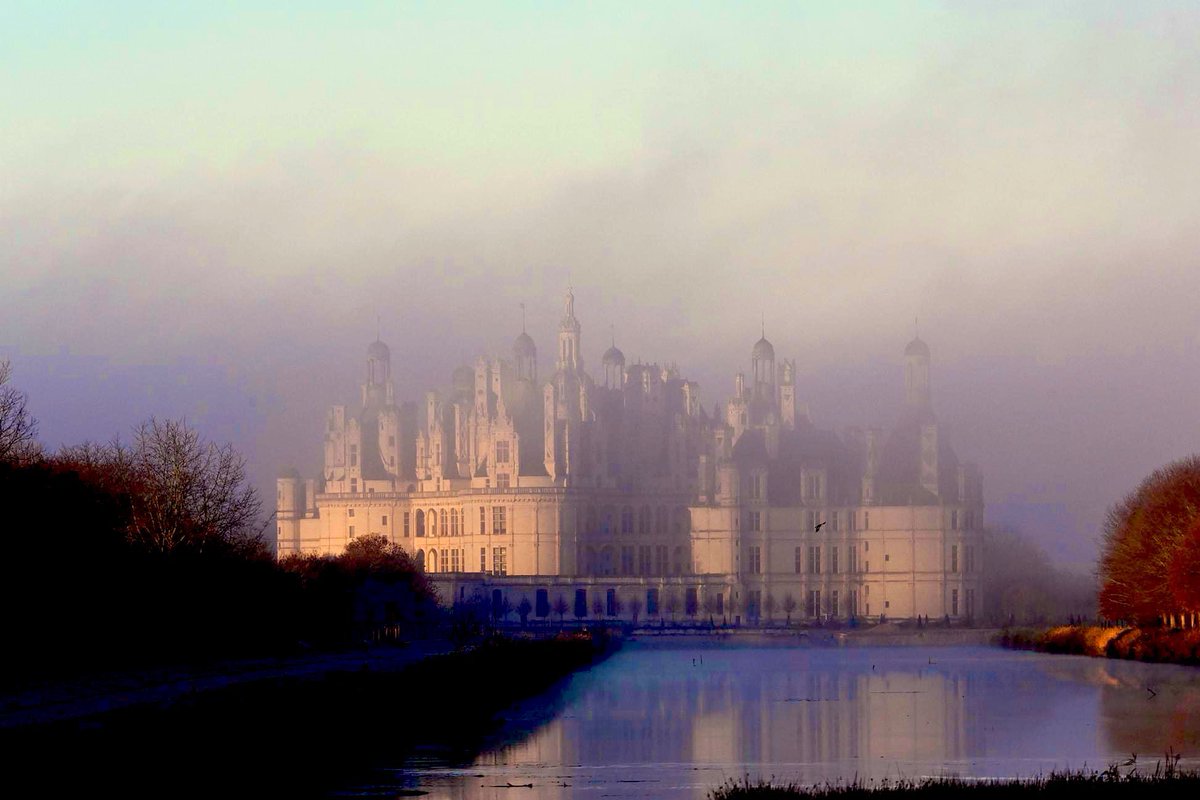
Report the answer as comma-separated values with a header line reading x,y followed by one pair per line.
x,y
1183,578
1144,536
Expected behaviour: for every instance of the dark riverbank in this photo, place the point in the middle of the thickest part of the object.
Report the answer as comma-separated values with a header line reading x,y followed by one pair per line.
x,y
1153,645
1164,780
293,736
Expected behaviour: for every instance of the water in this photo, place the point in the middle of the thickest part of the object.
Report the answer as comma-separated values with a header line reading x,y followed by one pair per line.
x,y
671,721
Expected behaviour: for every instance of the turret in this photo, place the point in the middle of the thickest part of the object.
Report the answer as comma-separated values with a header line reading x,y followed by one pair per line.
x,y
569,359
916,375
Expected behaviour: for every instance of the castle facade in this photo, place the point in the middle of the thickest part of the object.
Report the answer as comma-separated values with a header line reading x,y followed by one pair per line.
x,y
621,496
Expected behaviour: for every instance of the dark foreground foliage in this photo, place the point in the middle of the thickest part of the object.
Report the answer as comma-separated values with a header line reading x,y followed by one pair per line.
x,y
292,737
80,594
1166,781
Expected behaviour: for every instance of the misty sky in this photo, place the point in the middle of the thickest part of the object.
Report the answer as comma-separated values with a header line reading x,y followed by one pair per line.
x,y
204,210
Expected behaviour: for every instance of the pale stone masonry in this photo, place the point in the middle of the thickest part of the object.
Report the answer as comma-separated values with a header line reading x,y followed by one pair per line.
x,y
624,492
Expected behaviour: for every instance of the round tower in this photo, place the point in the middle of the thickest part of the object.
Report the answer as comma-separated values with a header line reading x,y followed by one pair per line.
x,y
916,374
762,364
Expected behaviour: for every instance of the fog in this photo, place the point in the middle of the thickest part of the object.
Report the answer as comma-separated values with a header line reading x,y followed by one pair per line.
x,y
211,216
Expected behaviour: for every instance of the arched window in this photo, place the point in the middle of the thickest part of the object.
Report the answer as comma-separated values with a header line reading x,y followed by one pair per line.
x,y
606,522
660,520
644,519
433,561
627,520
431,515
420,522
442,526
454,522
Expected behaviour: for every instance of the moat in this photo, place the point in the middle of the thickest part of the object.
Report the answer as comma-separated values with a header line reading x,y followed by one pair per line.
x,y
674,720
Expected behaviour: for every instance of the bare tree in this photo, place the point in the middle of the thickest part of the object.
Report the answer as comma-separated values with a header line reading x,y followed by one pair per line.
x,y
184,491
561,608
789,606
18,429
635,608
672,604
771,604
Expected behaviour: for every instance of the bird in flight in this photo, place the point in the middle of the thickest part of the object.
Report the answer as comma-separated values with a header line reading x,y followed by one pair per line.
x,y
819,526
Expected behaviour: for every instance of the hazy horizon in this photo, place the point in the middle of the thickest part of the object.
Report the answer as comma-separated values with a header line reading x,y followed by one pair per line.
x,y
204,212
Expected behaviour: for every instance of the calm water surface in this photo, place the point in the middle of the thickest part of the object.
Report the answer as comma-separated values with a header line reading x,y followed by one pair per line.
x,y
674,721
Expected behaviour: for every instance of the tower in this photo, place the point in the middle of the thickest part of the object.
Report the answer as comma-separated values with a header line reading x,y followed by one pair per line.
x,y
762,365
916,375
378,391
787,394
569,359
614,367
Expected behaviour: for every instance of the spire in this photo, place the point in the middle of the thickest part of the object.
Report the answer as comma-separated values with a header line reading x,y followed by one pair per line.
x,y
523,318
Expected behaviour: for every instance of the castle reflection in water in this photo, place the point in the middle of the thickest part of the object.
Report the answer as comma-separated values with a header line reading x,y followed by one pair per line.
x,y
673,722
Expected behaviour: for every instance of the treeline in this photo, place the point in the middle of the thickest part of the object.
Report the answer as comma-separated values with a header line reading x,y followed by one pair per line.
x,y
1150,562
152,552
1021,585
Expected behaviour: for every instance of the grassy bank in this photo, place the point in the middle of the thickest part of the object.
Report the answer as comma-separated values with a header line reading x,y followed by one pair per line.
x,y
294,737
1166,781
1136,644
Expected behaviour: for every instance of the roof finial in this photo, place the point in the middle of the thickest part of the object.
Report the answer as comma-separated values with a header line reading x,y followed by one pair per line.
x,y
764,324
522,317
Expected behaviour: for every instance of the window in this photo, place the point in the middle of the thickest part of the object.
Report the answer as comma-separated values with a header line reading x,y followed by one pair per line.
x,y
833,564
970,602
812,603
954,520
660,559
799,560
385,520
350,512
483,559
482,521
502,452
351,531
954,602
756,486
833,604
455,564
852,603
754,523
627,560
354,455
353,485
500,560
754,603
454,529
814,560
442,526
852,558
954,558
502,480
541,606
627,519
652,602
644,559
887,556
866,520
755,560
391,441
970,566
499,520
420,522
833,520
